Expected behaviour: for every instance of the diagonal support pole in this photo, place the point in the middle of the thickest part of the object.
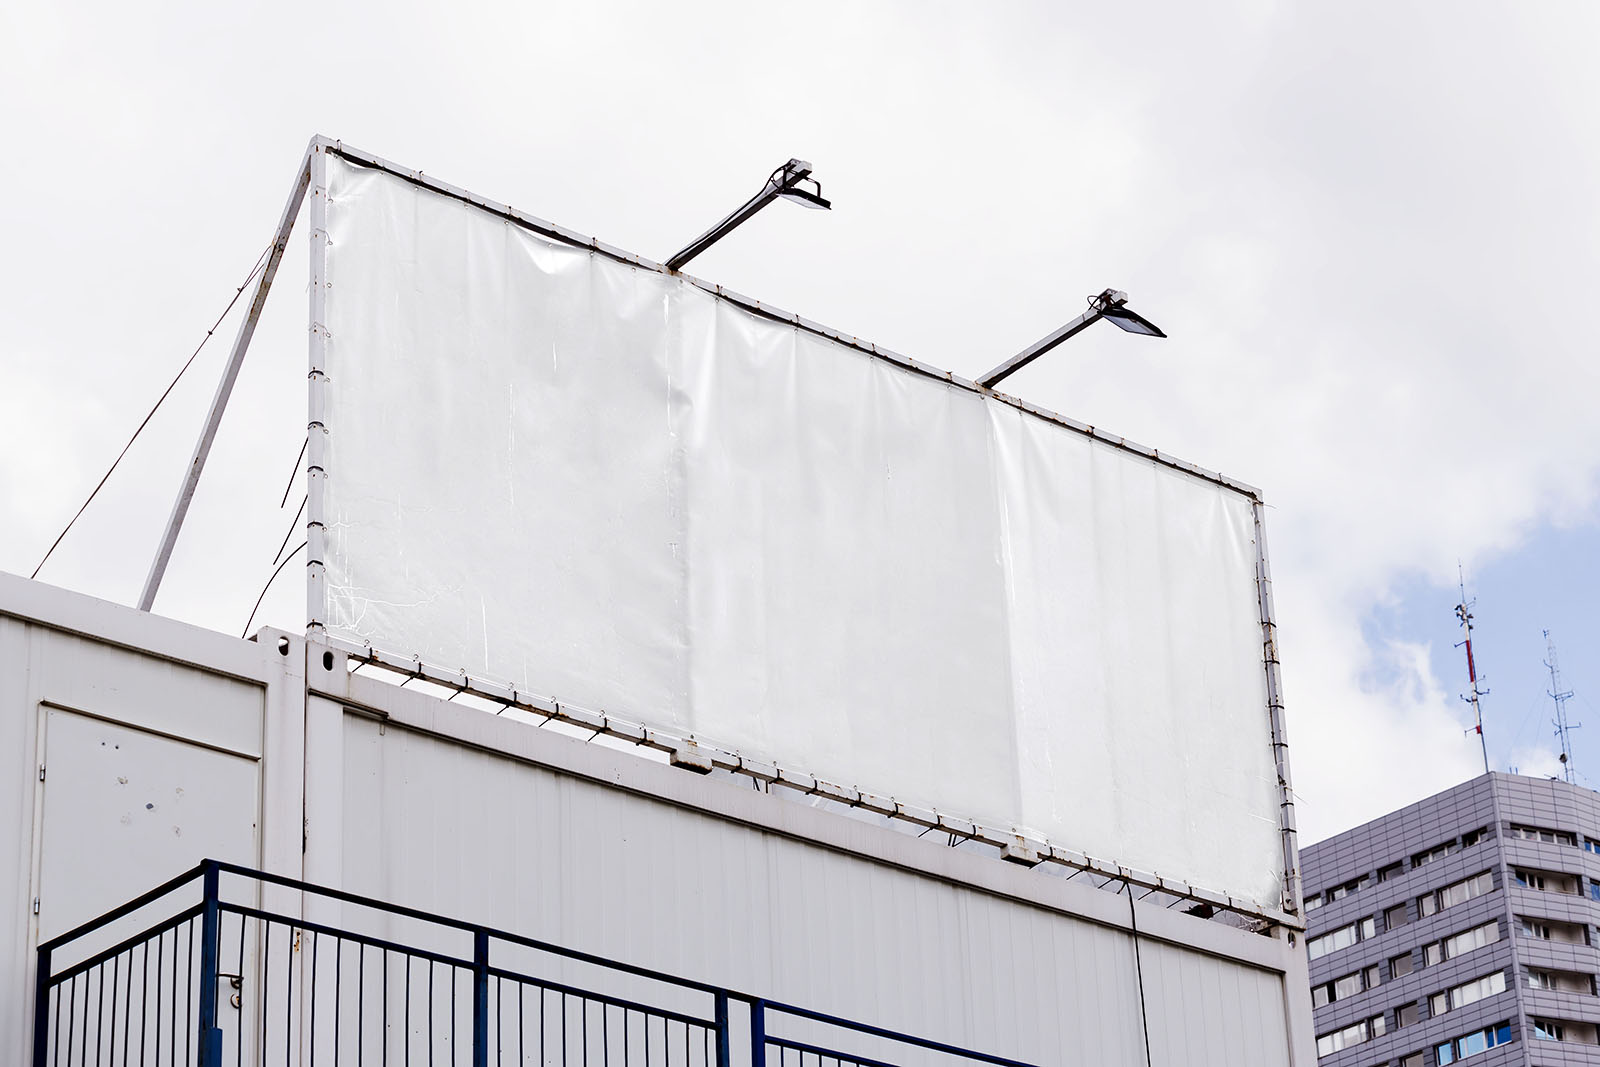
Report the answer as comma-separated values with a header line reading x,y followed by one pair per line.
x,y
1040,347
230,374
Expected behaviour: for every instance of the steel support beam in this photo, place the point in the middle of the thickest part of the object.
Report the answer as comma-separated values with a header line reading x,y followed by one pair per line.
x,y
1040,347
782,180
230,374
316,388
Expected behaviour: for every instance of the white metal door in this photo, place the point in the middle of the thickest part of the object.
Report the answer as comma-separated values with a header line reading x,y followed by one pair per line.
x,y
126,809
123,810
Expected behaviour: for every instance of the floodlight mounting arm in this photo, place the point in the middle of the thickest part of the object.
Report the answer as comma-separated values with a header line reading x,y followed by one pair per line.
x,y
230,374
1108,304
783,182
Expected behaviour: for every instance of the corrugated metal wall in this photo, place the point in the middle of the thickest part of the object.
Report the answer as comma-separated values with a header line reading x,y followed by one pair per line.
x,y
439,825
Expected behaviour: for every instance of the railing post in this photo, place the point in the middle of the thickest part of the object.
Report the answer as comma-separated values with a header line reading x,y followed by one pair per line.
x,y
724,1049
480,998
210,1036
41,1011
758,1033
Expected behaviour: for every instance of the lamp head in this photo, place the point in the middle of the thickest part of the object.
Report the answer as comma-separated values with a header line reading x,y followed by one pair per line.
x,y
790,180
1112,305
811,198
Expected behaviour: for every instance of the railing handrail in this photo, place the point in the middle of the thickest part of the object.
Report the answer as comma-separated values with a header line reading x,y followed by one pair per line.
x,y
127,909
470,927
212,902
884,1032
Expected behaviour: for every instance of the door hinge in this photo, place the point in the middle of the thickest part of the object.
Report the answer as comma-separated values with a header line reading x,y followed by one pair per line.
x,y
41,772
36,905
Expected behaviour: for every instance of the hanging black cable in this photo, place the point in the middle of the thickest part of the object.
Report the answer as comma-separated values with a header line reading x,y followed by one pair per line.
x,y
263,596
290,531
294,472
159,401
1138,966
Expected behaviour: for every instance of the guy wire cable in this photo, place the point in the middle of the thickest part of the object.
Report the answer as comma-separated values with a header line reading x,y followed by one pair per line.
x,y
159,401
1138,964
263,596
290,532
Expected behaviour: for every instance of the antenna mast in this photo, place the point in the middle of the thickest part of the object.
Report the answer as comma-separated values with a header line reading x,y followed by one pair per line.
x,y
1560,696
1464,613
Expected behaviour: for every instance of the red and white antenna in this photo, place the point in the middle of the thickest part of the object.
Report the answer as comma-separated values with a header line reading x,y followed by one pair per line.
x,y
1464,613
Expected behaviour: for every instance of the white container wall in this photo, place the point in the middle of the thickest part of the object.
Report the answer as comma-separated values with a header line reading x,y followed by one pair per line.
x,y
288,763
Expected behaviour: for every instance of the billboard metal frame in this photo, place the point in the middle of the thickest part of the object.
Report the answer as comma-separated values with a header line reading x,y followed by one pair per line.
x,y
311,181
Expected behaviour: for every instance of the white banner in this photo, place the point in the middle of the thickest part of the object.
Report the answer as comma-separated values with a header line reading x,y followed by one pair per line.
x,y
603,484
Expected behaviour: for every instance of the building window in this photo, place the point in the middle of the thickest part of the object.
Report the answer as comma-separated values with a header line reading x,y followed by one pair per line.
x,y
1455,893
1438,852
1547,881
1467,993
1348,986
1472,838
1350,1036
1561,981
1313,902
1448,1052
1594,890
1591,844
1413,1060
1395,917
1405,1015
1400,966
1550,930
1339,892
1436,952
1396,869
1581,1033
1549,837
1343,937
1467,940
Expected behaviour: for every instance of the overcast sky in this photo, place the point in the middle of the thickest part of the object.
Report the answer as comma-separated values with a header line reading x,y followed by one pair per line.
x,y
1371,230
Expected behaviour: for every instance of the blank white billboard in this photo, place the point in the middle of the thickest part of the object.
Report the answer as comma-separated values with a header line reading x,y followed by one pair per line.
x,y
601,483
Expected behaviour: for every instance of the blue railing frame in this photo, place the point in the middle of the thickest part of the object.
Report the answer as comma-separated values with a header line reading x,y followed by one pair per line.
x,y
212,906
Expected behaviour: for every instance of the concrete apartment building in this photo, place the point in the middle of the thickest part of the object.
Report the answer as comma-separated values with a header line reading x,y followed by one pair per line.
x,y
1461,927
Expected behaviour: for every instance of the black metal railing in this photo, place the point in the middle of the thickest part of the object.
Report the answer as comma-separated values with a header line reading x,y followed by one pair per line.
x,y
336,978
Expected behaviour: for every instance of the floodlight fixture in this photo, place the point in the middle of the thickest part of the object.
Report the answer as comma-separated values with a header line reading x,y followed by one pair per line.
x,y
1121,316
1108,304
789,181
809,198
